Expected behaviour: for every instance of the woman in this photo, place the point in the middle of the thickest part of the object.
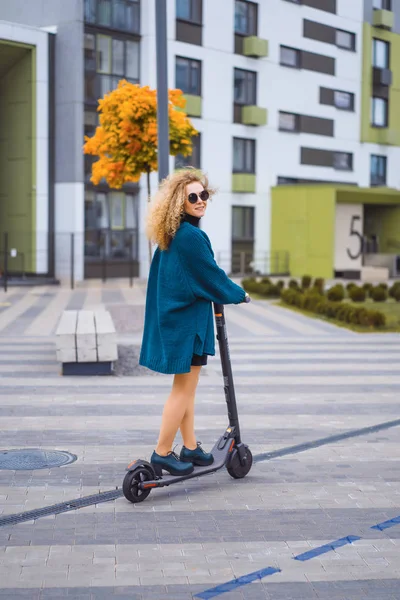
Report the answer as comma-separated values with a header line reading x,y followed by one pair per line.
x,y
178,335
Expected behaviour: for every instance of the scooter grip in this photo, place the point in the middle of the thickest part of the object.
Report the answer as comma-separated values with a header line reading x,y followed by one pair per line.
x,y
218,309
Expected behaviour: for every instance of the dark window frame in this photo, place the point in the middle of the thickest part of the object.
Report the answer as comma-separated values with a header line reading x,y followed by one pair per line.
x,y
190,61
297,122
352,99
376,179
386,102
298,57
111,26
253,147
187,161
93,72
253,85
349,154
246,210
352,48
387,45
385,5
249,5
191,20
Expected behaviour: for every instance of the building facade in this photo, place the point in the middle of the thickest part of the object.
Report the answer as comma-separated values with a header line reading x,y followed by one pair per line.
x,y
282,92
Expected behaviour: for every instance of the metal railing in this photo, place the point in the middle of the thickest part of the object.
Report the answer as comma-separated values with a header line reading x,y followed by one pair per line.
x,y
257,264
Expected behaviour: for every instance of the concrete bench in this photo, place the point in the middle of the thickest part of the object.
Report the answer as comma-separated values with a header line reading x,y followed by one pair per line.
x,y
86,342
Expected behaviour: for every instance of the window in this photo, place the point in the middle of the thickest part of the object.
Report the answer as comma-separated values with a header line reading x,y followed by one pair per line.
x,y
345,39
379,112
189,10
244,155
382,4
107,61
343,100
245,87
288,121
342,161
380,54
243,223
190,161
290,57
91,122
378,170
117,14
188,75
245,18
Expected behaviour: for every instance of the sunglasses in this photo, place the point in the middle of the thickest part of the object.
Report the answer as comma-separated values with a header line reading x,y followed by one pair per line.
x,y
204,195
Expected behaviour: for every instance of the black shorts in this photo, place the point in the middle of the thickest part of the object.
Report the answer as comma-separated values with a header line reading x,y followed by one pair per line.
x,y
199,361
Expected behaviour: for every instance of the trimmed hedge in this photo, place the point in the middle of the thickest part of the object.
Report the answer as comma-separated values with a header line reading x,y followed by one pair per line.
x,y
263,288
336,293
379,294
394,291
306,282
358,294
346,313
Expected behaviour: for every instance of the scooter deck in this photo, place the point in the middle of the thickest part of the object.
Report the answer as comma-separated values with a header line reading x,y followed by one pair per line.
x,y
220,452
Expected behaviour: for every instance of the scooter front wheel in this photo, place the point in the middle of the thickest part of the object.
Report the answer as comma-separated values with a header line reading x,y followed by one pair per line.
x,y
235,467
130,486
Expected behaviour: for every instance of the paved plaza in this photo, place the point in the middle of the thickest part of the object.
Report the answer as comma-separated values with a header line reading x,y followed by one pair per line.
x,y
318,516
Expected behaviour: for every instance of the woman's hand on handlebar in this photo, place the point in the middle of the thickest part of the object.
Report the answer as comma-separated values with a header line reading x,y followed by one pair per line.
x,y
247,298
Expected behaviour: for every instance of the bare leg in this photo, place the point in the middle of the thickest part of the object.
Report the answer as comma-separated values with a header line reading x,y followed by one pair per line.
x,y
176,406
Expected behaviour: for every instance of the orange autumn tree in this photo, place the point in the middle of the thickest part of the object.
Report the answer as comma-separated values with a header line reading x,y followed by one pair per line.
x,y
126,139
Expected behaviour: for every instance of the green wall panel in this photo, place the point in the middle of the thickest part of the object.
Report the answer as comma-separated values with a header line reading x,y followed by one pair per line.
x,y
376,135
303,223
18,153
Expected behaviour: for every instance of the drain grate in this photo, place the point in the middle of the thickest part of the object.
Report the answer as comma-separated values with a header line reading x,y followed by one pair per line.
x,y
31,459
63,507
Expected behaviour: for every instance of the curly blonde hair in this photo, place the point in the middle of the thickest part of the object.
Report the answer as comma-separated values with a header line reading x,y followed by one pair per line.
x,y
168,205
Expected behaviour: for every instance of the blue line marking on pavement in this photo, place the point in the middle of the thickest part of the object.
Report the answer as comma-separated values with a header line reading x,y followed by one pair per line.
x,y
327,547
235,583
387,524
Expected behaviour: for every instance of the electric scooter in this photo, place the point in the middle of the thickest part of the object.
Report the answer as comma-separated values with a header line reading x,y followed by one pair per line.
x,y
228,451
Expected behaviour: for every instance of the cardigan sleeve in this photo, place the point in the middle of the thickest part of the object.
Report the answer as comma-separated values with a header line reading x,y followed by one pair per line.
x,y
205,278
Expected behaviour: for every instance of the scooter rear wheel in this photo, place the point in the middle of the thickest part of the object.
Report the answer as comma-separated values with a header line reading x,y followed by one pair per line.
x,y
235,467
130,486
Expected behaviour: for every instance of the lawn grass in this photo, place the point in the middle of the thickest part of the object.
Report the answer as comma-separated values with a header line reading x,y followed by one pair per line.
x,y
390,308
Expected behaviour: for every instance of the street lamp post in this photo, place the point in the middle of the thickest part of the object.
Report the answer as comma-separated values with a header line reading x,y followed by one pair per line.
x,y
162,89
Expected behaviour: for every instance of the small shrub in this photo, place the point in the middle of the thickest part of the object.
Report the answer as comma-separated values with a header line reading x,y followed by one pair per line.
x,y
336,293
306,282
379,294
367,287
350,285
383,285
269,290
266,281
319,284
377,318
311,300
293,284
358,294
251,285
281,284
394,291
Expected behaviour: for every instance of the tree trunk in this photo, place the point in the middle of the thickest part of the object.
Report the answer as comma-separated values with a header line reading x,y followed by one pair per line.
x,y
148,200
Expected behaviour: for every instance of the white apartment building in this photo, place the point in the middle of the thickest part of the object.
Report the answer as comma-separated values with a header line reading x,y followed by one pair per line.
x,y
285,94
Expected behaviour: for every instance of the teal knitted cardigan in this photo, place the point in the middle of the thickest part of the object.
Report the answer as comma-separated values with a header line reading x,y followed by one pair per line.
x,y
183,282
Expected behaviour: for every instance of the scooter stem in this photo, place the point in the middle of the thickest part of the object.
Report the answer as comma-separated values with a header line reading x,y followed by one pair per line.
x,y
229,387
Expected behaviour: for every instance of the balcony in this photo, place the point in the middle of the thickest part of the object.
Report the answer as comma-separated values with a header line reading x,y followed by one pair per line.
x,y
193,105
254,115
244,182
383,18
255,47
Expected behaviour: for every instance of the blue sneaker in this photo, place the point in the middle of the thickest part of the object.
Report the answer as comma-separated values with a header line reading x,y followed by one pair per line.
x,y
170,463
197,456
